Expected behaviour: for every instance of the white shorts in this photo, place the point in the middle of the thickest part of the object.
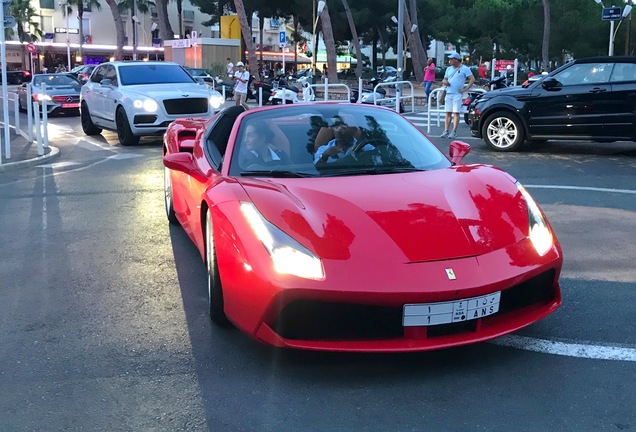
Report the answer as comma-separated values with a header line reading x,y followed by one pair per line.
x,y
453,103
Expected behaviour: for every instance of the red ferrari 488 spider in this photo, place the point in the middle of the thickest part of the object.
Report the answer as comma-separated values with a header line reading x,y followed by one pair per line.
x,y
342,227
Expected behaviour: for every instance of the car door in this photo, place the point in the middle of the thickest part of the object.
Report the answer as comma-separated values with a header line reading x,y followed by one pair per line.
x,y
621,116
92,95
110,94
571,103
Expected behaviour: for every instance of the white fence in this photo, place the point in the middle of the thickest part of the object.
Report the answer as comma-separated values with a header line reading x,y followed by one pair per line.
x,y
33,118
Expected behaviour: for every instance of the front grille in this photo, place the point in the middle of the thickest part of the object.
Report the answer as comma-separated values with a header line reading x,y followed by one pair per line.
x,y
315,320
186,106
65,99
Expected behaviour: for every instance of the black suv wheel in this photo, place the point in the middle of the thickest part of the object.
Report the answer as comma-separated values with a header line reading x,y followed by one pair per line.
x,y
503,131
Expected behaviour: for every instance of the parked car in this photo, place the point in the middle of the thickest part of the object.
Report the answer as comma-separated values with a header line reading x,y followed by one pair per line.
x,y
586,99
83,72
142,98
201,74
387,246
17,77
60,91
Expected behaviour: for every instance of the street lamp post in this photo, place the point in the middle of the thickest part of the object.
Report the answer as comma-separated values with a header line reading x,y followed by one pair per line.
x,y
612,33
68,40
407,40
314,44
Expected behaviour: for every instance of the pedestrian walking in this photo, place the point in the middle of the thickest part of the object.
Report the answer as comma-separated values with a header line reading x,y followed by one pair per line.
x,y
455,84
229,67
241,78
429,77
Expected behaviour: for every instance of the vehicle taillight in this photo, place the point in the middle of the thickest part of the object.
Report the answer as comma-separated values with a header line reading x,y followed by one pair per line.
x,y
467,101
27,73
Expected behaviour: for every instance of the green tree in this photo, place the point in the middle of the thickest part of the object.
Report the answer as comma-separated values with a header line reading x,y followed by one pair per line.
x,y
119,28
25,17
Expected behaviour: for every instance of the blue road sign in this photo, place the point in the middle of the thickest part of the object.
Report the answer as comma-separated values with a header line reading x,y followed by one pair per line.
x,y
611,14
282,37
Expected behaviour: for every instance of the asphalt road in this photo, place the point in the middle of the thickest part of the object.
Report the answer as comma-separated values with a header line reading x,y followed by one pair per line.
x,y
103,321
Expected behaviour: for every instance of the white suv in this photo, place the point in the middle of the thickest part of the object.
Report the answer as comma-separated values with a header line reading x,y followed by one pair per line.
x,y
142,98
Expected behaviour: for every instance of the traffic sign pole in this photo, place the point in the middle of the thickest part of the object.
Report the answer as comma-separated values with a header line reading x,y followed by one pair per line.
x,y
5,94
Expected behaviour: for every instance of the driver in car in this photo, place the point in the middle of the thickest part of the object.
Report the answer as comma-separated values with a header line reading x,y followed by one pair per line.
x,y
258,148
343,144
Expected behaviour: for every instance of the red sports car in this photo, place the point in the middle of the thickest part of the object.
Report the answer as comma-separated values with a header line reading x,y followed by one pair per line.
x,y
342,227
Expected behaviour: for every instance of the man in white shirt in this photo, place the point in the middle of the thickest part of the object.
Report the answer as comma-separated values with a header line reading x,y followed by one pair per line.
x,y
229,67
241,78
455,83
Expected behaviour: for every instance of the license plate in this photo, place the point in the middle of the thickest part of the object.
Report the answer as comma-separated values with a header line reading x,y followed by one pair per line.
x,y
429,314
70,105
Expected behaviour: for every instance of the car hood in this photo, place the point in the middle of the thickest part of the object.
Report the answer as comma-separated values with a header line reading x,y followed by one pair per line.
x,y
508,91
415,217
163,91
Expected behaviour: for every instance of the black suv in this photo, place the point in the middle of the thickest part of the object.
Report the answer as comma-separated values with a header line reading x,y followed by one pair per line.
x,y
585,99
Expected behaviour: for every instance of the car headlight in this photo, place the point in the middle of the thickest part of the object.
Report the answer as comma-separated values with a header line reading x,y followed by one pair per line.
x,y
539,233
149,105
216,101
288,256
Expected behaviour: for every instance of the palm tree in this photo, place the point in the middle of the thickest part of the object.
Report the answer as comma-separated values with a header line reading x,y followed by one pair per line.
x,y
165,29
354,36
24,14
80,4
545,48
330,44
246,31
119,27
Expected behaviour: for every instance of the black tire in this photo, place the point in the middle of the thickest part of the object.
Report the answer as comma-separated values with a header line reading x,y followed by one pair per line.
x,y
466,120
167,191
88,126
125,135
503,131
215,290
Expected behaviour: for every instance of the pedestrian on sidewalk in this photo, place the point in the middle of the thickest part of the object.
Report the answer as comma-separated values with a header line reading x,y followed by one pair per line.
x,y
429,77
229,68
241,79
455,83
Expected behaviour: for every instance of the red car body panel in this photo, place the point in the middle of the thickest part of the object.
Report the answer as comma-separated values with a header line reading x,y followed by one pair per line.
x,y
384,241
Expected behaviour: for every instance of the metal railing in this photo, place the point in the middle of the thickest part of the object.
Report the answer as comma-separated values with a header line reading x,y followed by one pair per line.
x,y
326,86
399,94
436,110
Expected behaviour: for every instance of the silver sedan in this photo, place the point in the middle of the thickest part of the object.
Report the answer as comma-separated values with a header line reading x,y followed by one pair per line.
x,y
60,91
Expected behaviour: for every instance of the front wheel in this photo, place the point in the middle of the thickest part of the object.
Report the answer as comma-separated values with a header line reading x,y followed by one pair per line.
x,y
88,126
124,133
503,132
215,290
167,190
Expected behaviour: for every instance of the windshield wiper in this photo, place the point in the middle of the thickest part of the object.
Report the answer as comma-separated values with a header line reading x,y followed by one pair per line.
x,y
370,170
276,173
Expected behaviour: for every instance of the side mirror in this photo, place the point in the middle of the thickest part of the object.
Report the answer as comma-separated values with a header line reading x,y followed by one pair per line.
x,y
106,83
550,83
457,151
184,162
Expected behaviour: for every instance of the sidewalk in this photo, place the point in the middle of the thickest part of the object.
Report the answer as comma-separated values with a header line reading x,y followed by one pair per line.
x,y
24,154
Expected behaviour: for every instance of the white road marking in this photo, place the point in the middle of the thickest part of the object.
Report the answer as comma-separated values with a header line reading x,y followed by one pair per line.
x,y
120,156
582,188
58,165
567,349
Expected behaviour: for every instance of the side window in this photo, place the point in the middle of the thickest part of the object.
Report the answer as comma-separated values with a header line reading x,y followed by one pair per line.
x,y
98,75
585,73
623,72
111,74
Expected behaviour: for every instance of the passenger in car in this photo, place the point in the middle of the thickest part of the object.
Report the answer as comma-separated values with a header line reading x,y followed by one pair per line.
x,y
258,147
342,144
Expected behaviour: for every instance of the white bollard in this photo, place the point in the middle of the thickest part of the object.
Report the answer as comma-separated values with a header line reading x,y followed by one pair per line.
x,y
38,130
45,118
29,100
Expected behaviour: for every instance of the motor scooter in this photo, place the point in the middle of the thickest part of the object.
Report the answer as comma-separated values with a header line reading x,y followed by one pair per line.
x,y
282,90
373,96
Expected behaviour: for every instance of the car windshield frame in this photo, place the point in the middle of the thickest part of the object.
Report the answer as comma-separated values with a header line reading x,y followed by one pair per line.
x,y
388,143
152,74
37,80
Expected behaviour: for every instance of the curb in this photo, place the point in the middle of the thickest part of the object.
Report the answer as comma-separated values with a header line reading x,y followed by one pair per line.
x,y
10,166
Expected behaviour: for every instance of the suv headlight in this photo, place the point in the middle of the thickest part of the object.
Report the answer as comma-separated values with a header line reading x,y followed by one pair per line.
x,y
288,256
148,105
539,232
216,101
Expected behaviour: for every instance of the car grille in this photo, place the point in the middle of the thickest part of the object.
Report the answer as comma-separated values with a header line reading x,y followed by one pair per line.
x,y
145,119
315,320
65,99
186,106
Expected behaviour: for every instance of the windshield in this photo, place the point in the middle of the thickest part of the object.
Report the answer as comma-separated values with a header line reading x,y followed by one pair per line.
x,y
331,140
142,74
57,80
197,72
